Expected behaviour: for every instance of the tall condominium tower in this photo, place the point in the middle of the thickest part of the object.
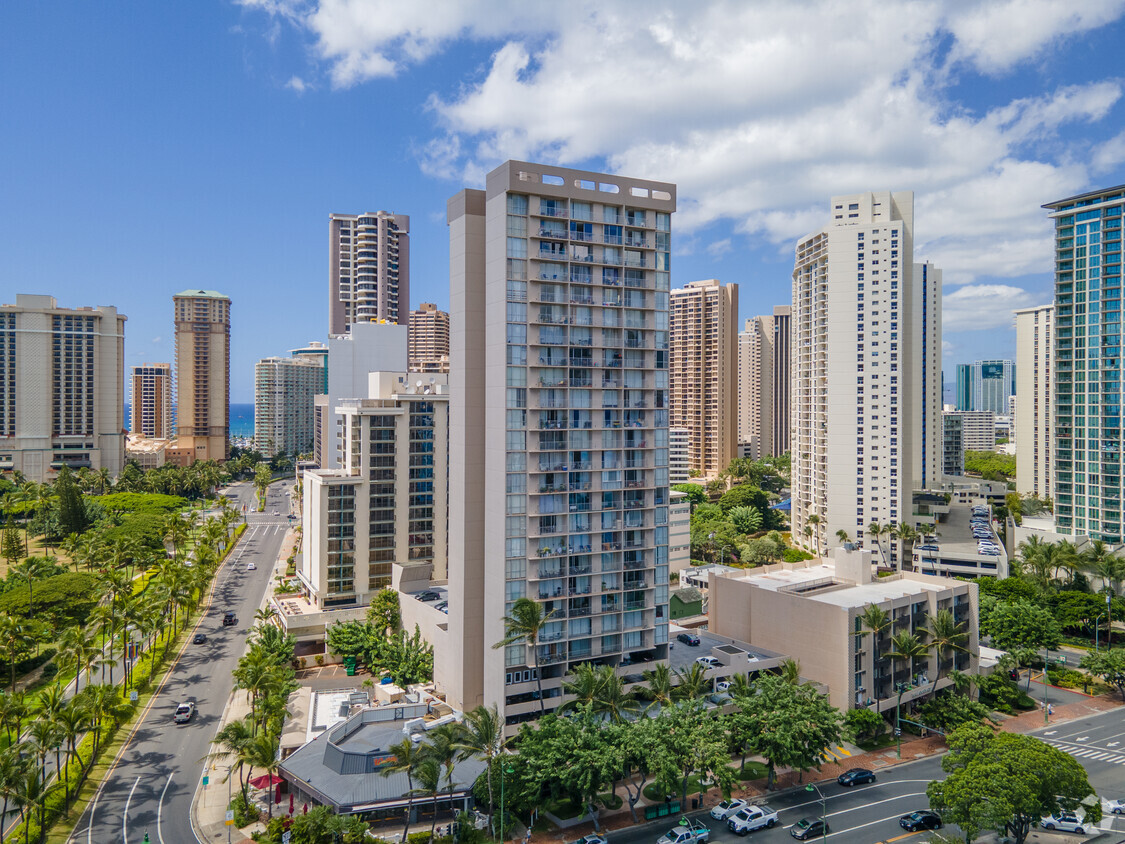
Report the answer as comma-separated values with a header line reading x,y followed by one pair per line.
x,y
1034,434
368,269
866,369
559,429
202,319
704,372
151,403
763,385
1087,360
429,339
284,418
993,384
62,387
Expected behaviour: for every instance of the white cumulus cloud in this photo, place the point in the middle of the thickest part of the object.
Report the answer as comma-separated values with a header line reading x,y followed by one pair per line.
x,y
977,307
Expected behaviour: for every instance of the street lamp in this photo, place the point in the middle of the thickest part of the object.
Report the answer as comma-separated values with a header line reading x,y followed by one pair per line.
x,y
901,687
1046,663
823,811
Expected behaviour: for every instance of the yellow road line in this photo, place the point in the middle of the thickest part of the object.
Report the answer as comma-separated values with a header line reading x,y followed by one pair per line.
x,y
842,750
900,837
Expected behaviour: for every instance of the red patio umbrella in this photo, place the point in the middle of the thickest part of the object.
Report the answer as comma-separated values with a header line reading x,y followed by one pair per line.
x,y
266,780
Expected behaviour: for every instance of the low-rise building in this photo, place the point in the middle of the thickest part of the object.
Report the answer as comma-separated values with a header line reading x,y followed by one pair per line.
x,y
978,429
813,611
343,763
146,453
952,445
679,532
954,550
679,458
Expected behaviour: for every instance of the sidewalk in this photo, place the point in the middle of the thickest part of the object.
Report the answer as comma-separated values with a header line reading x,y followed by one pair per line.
x,y
209,807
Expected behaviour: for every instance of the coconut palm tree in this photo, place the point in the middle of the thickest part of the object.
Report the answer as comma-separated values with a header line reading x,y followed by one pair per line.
x,y
427,773
583,684
524,626
1103,563
408,758
691,683
261,753
842,535
15,641
232,740
874,620
875,530
659,688
946,636
444,748
483,738
13,709
790,671
814,520
13,769
29,796
72,723
906,535
905,648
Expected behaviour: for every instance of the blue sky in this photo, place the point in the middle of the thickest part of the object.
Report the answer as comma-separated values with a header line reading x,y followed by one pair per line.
x,y
150,147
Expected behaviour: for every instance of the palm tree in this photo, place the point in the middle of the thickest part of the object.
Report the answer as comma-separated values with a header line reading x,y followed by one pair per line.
x,y
427,773
257,674
814,520
875,530
842,535
72,723
13,709
232,740
12,773
692,683
790,671
15,641
29,796
176,530
444,742
102,703
583,684
659,688
906,534
946,635
261,753
482,737
905,648
874,620
523,626
1104,564
408,758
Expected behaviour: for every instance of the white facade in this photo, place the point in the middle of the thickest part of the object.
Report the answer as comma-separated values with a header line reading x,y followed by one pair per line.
x,y
369,347
1033,418
679,532
62,387
283,403
385,506
368,269
679,457
866,369
755,387
559,288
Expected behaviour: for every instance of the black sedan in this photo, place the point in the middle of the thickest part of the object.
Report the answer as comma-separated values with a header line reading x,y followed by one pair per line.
x,y
198,639
807,828
856,776
925,819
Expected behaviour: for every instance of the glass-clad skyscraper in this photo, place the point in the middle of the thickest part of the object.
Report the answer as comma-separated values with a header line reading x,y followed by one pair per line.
x,y
1088,363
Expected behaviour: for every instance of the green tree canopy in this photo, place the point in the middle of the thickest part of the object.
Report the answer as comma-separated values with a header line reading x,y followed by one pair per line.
x,y
1007,782
1019,625
696,494
1109,666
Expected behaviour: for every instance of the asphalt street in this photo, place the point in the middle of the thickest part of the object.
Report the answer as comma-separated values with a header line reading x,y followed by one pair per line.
x,y
868,814
150,789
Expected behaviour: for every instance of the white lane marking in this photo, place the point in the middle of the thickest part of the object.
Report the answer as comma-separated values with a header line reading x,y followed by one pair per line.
x,y
1082,738
856,808
93,809
1050,732
1112,743
160,808
125,814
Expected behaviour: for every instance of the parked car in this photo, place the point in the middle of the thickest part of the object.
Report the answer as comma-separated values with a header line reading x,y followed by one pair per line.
x,y
689,639
591,839
229,618
922,819
727,808
198,639
750,818
184,712
807,828
708,661
427,596
856,776
1116,807
442,606
688,832
1064,821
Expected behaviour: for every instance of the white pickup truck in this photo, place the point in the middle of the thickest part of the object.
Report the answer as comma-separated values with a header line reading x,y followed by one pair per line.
x,y
688,832
750,818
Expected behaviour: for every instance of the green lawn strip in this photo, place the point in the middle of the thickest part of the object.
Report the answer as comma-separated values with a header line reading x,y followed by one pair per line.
x,y
753,771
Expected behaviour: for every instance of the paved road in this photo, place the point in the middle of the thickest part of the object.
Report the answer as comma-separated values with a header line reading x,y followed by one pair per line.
x,y
868,814
150,790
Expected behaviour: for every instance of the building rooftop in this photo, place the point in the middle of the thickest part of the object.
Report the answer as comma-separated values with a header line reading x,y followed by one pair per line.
x,y
202,294
820,583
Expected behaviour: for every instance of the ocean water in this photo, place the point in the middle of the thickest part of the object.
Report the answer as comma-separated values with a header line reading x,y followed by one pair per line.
x,y
241,419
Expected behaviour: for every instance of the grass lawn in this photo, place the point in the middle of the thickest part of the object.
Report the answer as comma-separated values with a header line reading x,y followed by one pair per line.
x,y
885,740
564,809
655,793
36,548
753,771
610,800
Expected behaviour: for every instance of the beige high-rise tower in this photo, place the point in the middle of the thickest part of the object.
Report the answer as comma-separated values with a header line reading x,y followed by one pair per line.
x,y
368,269
703,372
151,408
202,319
1033,421
558,445
62,387
428,339
763,385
